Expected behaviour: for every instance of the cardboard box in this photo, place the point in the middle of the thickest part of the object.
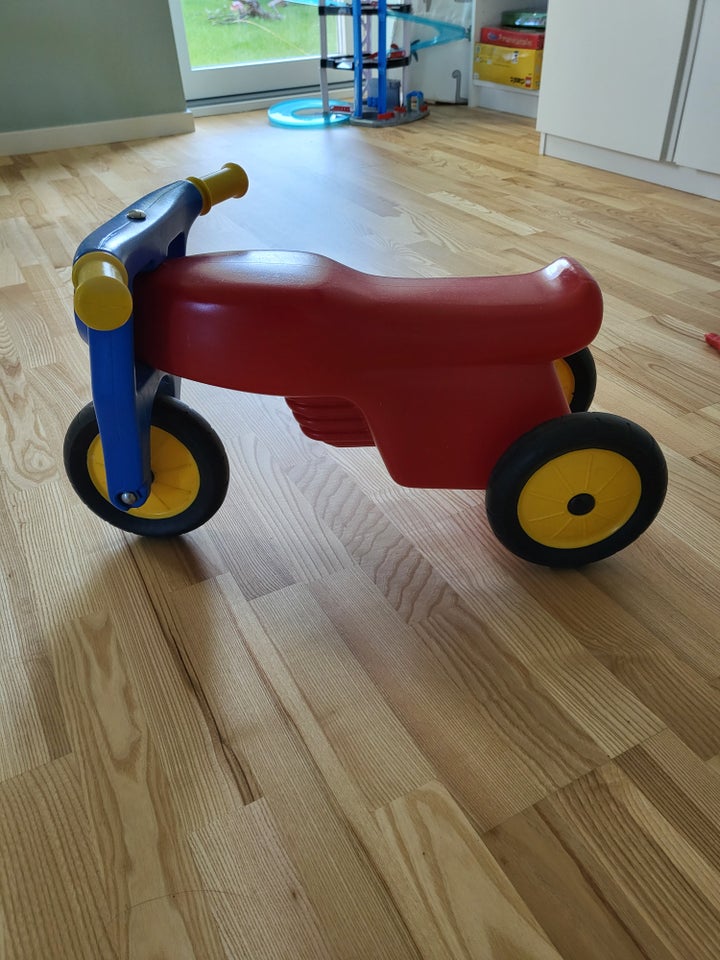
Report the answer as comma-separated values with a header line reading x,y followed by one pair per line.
x,y
508,65
524,18
519,39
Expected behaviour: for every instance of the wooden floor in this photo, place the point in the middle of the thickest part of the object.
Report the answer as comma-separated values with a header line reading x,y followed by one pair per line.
x,y
340,721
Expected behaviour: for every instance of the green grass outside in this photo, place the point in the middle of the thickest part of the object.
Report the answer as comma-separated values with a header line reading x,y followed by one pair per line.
x,y
215,37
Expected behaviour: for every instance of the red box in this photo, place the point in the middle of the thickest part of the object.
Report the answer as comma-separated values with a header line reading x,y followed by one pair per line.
x,y
519,39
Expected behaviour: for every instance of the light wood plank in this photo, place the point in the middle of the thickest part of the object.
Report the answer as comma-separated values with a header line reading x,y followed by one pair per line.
x,y
263,908
138,839
30,716
479,913
340,720
372,746
48,861
612,827
493,754
281,762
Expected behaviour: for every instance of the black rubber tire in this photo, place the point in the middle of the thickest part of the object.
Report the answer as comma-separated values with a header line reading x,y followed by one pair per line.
x,y
550,441
584,375
185,425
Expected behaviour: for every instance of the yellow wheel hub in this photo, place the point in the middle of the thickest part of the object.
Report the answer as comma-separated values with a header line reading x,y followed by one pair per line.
x,y
176,478
566,377
579,498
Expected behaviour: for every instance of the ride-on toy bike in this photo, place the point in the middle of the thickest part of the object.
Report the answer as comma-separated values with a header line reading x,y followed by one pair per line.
x,y
475,383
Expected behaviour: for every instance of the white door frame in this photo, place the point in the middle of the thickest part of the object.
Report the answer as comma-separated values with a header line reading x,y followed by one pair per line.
x,y
242,79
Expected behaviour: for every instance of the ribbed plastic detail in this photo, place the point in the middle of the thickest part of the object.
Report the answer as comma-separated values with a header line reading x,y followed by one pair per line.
x,y
331,420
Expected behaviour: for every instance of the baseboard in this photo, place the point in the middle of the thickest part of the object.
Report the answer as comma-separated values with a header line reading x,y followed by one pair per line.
x,y
41,139
652,171
222,105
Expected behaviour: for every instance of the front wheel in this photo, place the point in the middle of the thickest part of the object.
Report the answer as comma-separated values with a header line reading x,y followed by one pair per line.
x,y
576,489
189,469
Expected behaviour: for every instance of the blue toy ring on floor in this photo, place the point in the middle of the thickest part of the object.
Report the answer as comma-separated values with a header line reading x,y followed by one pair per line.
x,y
306,113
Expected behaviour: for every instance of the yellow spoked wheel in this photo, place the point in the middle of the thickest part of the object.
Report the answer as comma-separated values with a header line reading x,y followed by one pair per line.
x,y
189,468
176,478
566,378
578,379
576,489
579,498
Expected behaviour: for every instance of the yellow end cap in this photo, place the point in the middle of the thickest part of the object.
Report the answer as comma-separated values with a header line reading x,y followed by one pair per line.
x,y
102,298
230,181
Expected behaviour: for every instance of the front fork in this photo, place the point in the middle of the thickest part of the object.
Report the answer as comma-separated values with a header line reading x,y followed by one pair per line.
x,y
123,394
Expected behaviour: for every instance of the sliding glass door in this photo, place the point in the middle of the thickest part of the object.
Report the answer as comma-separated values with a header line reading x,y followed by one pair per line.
x,y
247,47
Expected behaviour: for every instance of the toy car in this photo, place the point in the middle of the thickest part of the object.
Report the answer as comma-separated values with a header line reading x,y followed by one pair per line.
x,y
474,383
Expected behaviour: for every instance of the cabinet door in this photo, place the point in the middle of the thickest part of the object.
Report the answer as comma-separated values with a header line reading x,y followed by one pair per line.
x,y
698,142
610,72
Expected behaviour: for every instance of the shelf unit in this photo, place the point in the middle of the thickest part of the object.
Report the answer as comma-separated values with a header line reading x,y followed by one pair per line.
x,y
498,96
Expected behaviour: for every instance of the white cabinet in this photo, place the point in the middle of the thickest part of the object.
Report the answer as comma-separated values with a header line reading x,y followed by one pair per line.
x,y
698,142
634,88
610,72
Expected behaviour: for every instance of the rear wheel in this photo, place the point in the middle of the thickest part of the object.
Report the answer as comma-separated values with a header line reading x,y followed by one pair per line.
x,y
189,468
576,489
578,379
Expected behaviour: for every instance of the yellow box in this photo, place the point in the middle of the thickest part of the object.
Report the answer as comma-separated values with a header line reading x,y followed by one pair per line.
x,y
515,68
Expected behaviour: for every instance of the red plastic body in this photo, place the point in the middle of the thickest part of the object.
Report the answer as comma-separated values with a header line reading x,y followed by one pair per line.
x,y
442,375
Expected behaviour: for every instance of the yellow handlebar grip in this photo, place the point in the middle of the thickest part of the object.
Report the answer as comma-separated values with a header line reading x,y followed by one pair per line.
x,y
102,298
231,181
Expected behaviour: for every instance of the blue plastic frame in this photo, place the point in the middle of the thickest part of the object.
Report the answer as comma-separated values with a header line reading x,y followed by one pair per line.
x,y
154,229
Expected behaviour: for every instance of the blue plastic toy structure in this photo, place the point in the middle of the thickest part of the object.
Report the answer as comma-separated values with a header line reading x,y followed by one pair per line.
x,y
377,100
308,113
